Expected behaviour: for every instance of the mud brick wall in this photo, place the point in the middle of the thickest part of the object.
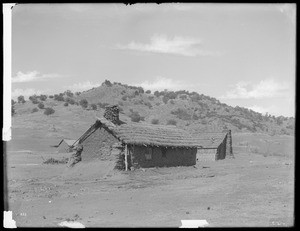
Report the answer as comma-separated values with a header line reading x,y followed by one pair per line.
x,y
173,157
206,154
99,146
112,114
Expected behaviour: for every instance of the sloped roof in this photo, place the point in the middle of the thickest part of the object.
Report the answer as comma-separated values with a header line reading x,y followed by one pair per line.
x,y
69,142
209,140
161,135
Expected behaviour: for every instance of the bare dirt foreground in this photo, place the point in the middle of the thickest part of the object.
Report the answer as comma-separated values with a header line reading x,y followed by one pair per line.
x,y
250,190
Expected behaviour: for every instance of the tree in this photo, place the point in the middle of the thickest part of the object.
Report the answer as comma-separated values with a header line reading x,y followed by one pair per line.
x,y
49,111
21,99
59,97
83,103
41,105
135,117
69,93
70,100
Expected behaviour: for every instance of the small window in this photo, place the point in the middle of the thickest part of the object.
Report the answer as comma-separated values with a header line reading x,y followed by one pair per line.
x,y
164,153
148,154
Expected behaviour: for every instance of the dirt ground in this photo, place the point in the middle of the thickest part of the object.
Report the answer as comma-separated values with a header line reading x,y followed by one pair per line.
x,y
250,190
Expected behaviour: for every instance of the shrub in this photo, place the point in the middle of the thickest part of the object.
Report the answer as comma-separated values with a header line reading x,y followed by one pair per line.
x,y
135,117
94,106
34,110
77,93
13,102
69,93
148,104
51,96
156,93
155,121
107,83
83,103
171,122
70,101
49,111
41,105
43,97
148,92
165,99
35,101
151,98
21,99
59,97
66,104
102,105
181,114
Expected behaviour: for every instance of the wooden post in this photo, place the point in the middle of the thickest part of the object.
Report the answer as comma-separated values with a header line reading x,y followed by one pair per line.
x,y
126,162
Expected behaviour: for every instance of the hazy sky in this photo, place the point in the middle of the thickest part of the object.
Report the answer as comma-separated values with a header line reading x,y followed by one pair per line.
x,y
241,54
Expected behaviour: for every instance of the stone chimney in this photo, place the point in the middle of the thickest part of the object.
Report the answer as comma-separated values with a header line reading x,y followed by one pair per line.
x,y
229,153
112,114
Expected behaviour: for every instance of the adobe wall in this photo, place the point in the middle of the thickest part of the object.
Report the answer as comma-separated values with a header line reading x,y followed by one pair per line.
x,y
174,157
204,154
99,146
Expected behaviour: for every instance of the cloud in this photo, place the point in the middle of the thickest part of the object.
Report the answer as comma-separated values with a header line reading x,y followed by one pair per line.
x,y
273,110
32,76
268,88
176,46
25,92
162,83
289,10
83,86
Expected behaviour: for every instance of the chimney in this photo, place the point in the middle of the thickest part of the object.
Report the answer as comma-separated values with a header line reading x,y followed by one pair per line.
x,y
112,114
229,153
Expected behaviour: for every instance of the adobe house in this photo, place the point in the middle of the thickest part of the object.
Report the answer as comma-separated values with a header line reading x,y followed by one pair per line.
x,y
65,145
135,145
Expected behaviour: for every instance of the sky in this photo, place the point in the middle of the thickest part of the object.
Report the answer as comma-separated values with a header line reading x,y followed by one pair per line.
x,y
241,54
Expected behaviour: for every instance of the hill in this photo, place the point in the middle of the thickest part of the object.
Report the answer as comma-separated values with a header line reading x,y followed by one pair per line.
x,y
189,110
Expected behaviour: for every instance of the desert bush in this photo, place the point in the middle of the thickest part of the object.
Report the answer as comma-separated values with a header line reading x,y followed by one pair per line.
x,y
70,101
41,105
43,97
171,122
165,99
148,92
94,106
83,103
156,93
49,111
77,93
59,97
183,97
151,98
51,96
21,99
107,83
148,104
135,117
13,102
155,121
181,114
66,104
69,93
34,110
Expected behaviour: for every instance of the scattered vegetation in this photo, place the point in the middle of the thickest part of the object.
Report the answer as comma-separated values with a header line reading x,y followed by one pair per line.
x,y
94,106
34,110
135,117
56,161
21,99
41,105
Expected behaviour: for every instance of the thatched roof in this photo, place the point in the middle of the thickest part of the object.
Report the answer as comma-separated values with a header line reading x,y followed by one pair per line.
x,y
161,135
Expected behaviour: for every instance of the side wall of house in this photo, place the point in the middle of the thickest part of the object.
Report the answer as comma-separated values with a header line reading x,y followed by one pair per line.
x,y
159,158
98,146
206,154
